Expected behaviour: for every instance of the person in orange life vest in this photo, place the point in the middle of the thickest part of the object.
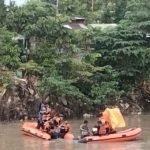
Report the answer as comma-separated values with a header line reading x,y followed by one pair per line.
x,y
103,123
49,111
63,129
102,129
47,125
44,117
58,120
48,114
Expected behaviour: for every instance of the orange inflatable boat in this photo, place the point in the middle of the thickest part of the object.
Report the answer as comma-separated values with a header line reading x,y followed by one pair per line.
x,y
29,128
126,135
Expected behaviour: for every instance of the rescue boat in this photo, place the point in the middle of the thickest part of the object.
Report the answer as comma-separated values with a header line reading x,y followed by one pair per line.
x,y
125,135
29,128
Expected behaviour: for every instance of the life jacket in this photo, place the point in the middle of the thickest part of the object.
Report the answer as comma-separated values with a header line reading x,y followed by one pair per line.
x,y
64,128
49,113
104,122
102,130
46,126
44,116
56,121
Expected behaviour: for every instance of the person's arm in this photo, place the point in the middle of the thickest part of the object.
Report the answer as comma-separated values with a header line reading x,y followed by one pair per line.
x,y
81,127
42,111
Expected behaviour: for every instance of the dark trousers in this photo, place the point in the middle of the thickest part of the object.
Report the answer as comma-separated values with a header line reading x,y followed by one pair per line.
x,y
61,135
40,124
54,135
107,131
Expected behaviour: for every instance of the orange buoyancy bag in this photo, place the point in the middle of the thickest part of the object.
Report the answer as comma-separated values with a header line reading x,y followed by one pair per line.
x,y
102,130
114,118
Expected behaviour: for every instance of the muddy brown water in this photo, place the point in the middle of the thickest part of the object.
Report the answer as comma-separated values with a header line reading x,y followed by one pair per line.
x,y
11,138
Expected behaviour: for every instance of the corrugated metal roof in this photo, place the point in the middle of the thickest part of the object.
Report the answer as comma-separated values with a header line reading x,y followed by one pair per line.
x,y
76,18
67,26
75,26
83,26
18,37
103,26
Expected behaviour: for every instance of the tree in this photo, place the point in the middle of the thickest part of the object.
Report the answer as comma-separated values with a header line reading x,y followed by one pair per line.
x,y
72,8
126,51
2,12
50,1
20,18
137,15
9,62
88,67
9,50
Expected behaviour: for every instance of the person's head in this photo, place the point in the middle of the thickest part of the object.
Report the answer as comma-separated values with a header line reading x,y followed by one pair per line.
x,y
42,104
100,114
85,122
98,122
51,122
48,108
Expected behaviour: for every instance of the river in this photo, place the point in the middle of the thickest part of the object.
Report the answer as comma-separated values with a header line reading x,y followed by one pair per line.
x,y
11,138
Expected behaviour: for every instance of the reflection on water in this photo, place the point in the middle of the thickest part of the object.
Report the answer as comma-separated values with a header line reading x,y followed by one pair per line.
x,y
11,138
116,146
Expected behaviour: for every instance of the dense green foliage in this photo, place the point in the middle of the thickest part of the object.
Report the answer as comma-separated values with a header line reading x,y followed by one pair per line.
x,y
91,66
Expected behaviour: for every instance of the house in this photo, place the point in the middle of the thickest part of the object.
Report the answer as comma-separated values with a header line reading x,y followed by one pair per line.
x,y
24,45
76,24
81,23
